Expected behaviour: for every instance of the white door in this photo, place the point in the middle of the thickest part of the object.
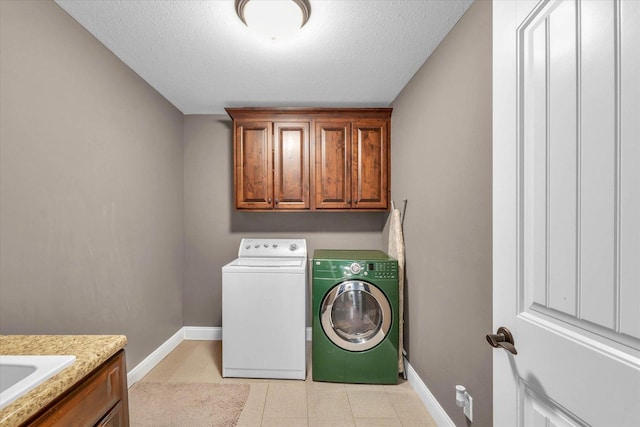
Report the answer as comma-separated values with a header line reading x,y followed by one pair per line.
x,y
567,212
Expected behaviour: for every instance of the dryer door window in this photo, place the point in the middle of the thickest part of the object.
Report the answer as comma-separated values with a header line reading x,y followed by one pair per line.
x,y
355,315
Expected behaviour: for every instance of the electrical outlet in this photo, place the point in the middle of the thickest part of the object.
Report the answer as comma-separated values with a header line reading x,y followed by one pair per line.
x,y
465,401
468,408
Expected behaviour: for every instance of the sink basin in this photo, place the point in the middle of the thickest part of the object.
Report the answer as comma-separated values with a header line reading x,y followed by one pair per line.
x,y
20,374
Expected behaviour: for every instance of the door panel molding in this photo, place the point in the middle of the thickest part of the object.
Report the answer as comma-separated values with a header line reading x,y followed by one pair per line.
x,y
540,410
570,197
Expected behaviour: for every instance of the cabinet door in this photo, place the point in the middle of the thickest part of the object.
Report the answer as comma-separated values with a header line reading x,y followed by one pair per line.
x,y
102,398
114,418
370,157
253,165
333,165
291,165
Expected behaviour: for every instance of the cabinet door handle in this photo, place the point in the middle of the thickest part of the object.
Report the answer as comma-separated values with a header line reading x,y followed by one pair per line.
x,y
277,201
348,200
269,200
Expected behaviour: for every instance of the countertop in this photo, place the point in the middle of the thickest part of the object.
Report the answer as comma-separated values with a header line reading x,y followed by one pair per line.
x,y
90,351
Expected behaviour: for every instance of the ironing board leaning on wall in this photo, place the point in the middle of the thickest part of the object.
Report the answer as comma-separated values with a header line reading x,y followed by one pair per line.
x,y
396,250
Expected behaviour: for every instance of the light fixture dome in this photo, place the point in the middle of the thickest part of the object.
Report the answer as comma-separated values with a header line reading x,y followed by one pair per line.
x,y
276,19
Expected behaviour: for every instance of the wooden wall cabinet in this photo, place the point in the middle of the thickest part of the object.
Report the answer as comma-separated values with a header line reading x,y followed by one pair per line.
x,y
311,159
351,165
99,400
271,165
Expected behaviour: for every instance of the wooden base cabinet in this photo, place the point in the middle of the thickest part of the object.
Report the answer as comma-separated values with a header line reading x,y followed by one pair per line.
x,y
99,400
311,159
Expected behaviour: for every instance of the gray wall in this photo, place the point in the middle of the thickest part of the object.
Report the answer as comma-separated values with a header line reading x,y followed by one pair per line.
x,y
213,228
91,187
99,173
441,163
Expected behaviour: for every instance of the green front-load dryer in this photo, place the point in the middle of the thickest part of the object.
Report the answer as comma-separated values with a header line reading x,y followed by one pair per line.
x,y
355,317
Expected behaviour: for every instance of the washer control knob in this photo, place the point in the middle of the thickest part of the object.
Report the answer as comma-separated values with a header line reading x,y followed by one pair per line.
x,y
293,247
355,268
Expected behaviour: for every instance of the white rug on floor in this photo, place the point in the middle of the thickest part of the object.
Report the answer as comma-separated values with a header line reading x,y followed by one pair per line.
x,y
186,404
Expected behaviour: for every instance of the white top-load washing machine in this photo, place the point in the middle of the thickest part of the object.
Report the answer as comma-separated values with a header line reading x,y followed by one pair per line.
x,y
263,310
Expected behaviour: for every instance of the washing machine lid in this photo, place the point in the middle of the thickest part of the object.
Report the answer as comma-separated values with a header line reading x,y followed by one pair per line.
x,y
267,262
267,265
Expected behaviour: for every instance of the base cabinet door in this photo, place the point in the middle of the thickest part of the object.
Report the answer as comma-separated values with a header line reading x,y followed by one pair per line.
x,y
101,399
115,418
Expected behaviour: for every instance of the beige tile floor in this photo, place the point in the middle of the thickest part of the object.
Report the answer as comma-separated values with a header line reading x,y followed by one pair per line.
x,y
285,403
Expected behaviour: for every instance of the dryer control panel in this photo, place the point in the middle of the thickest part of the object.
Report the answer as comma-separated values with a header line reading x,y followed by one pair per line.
x,y
373,270
383,270
375,265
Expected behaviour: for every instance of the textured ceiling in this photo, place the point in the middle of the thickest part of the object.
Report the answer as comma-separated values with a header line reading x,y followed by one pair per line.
x,y
201,57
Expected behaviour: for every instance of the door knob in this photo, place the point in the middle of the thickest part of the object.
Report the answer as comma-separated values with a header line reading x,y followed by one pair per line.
x,y
502,338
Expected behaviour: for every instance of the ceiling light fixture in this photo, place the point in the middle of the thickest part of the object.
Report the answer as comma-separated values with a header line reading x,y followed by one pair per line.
x,y
276,19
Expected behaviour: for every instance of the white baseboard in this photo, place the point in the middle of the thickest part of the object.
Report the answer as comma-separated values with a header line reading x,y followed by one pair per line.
x,y
143,368
203,333
215,334
433,406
